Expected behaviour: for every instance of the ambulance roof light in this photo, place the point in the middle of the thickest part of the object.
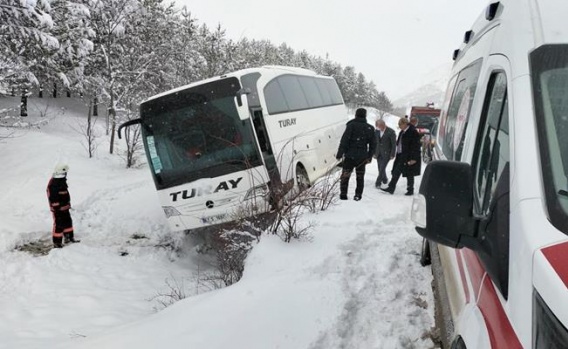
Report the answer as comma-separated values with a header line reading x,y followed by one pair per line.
x,y
456,54
467,37
491,11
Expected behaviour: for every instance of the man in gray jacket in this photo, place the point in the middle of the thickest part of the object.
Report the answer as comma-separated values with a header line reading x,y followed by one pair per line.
x,y
385,151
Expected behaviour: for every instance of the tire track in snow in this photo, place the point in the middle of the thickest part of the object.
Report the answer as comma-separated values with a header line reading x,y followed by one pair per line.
x,y
380,262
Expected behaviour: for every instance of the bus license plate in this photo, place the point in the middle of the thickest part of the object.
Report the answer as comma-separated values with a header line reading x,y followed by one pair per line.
x,y
215,218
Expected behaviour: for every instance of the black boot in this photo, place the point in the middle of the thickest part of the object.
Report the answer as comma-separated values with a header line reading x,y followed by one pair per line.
x,y
69,238
57,242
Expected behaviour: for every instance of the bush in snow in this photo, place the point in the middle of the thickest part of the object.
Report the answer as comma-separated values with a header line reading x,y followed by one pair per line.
x,y
288,223
233,248
175,292
228,249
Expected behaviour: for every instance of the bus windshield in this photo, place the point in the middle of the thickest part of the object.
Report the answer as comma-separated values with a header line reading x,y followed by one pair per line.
x,y
197,133
549,69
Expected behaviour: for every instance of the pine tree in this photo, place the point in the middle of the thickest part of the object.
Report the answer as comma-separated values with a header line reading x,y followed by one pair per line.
x,y
24,35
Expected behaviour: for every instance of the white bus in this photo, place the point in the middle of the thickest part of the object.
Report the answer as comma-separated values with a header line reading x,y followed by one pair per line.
x,y
221,144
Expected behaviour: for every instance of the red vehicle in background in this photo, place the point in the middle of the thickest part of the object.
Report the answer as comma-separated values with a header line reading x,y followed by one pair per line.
x,y
427,117
428,143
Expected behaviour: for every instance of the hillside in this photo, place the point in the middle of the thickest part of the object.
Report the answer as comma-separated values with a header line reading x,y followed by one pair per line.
x,y
430,88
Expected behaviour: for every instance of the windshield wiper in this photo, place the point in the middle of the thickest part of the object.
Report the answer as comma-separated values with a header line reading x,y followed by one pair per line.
x,y
563,192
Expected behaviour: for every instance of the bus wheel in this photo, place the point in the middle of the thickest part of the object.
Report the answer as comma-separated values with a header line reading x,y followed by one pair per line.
x,y
425,257
302,179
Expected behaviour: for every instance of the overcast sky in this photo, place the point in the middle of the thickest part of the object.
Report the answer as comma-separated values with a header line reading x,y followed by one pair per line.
x,y
395,43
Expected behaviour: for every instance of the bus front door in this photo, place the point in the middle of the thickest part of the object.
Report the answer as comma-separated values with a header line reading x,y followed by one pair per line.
x,y
277,189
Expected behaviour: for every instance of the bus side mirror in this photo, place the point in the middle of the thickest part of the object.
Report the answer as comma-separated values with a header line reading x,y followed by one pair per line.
x,y
241,100
443,211
127,124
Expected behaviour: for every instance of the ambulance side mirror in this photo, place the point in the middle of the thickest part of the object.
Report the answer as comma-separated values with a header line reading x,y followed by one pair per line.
x,y
443,211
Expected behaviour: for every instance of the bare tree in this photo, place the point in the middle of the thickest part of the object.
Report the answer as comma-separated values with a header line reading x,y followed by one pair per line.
x,y
87,129
133,139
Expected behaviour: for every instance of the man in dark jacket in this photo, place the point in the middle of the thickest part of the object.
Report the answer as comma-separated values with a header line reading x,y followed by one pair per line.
x,y
407,162
386,150
59,204
356,148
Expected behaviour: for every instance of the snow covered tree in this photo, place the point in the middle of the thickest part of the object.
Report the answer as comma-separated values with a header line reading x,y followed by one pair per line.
x,y
382,103
216,50
109,20
361,91
24,29
286,56
348,85
187,63
74,33
146,58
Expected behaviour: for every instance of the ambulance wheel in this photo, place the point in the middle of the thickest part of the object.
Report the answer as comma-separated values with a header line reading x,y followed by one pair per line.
x,y
426,155
425,257
459,343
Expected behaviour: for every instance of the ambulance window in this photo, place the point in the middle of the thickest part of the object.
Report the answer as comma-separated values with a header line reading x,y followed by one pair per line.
x,y
548,330
454,125
493,149
549,72
491,187
444,111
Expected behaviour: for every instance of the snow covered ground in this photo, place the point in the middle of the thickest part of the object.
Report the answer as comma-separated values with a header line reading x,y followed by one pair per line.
x,y
356,284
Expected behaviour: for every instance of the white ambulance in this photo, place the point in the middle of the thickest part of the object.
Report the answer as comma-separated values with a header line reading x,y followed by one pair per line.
x,y
494,204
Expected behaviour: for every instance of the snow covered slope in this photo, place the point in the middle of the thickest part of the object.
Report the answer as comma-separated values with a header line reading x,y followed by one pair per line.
x,y
430,88
356,284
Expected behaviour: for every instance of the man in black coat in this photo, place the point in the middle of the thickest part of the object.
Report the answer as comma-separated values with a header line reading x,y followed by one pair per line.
x,y
386,150
357,147
60,204
407,162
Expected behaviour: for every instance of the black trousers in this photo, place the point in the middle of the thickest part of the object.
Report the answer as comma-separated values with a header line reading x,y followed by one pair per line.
x,y
382,163
62,226
348,166
397,169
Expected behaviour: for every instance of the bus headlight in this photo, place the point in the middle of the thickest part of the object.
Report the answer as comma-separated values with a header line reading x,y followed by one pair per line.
x,y
171,211
418,213
260,190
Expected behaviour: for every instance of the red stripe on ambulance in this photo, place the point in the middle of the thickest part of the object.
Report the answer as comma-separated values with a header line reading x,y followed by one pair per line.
x,y
501,333
556,256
